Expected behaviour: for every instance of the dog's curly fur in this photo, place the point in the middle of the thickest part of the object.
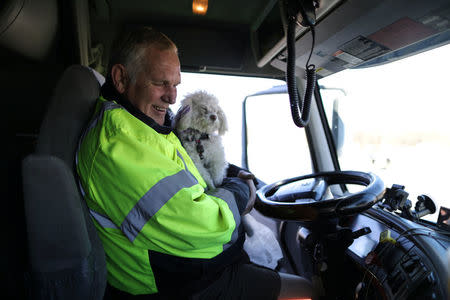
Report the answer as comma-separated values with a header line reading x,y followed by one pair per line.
x,y
200,124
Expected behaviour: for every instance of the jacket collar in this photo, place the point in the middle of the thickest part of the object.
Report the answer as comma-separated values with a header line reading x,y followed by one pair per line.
x,y
109,92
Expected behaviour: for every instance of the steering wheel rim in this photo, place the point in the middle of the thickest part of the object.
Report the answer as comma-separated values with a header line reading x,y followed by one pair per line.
x,y
288,206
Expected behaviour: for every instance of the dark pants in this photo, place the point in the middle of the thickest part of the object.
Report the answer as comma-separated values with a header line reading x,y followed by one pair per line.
x,y
241,280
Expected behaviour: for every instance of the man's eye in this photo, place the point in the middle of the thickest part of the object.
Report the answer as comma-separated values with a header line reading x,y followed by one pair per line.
x,y
165,84
158,83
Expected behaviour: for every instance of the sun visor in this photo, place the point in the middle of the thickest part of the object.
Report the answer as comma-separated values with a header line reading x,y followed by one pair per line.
x,y
208,48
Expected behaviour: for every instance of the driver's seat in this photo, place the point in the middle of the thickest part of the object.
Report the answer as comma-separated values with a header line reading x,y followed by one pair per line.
x,y
67,260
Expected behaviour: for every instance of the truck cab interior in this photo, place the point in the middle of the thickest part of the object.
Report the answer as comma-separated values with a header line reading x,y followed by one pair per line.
x,y
347,224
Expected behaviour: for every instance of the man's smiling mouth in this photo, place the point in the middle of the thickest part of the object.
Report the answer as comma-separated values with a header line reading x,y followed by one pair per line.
x,y
159,108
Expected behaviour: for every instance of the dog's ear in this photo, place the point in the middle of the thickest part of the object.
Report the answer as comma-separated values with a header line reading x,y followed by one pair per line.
x,y
183,117
223,122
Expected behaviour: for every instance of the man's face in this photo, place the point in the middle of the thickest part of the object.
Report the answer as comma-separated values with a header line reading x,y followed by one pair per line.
x,y
156,85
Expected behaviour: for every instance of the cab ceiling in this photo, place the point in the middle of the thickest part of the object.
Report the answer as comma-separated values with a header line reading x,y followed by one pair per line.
x,y
227,12
218,42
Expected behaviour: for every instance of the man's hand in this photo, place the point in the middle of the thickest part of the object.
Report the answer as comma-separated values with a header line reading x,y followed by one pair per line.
x,y
248,177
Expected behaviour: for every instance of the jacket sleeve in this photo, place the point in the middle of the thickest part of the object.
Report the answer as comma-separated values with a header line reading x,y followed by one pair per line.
x,y
157,202
240,190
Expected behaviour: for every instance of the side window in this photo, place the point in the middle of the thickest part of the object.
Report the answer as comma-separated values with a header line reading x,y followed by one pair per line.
x,y
276,148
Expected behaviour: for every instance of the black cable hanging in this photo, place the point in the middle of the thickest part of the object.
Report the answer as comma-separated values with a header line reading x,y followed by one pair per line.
x,y
299,107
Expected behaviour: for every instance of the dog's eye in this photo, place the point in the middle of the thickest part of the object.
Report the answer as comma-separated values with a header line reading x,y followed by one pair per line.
x,y
203,109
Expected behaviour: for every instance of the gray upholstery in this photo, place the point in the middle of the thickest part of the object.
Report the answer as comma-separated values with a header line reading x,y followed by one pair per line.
x,y
67,260
68,112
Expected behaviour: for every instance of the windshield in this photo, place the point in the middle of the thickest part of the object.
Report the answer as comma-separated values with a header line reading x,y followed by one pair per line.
x,y
396,122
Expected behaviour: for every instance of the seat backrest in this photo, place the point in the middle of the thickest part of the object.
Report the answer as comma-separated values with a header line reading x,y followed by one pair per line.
x,y
67,260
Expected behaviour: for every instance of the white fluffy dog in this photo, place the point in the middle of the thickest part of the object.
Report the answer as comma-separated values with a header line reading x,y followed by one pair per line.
x,y
200,124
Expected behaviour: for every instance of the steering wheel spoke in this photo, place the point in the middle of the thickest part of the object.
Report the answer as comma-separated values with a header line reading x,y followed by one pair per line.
x,y
300,191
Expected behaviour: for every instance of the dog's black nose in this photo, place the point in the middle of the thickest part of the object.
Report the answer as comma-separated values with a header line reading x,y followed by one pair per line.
x,y
213,117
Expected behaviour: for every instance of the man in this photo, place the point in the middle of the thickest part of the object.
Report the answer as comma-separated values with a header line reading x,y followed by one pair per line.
x,y
163,235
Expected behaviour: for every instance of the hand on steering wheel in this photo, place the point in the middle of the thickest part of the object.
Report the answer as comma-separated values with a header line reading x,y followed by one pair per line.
x,y
248,177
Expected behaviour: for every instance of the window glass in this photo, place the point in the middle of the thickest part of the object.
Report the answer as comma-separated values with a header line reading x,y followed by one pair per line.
x,y
277,148
395,122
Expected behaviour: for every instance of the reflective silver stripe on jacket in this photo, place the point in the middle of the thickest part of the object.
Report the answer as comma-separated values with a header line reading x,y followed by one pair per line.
x,y
104,221
155,198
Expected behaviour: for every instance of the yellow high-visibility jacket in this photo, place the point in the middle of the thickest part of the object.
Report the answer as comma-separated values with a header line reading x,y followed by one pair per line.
x,y
146,196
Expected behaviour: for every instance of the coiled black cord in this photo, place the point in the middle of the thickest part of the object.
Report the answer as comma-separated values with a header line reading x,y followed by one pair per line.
x,y
304,106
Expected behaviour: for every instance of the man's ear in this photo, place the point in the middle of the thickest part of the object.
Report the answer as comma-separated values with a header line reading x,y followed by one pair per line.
x,y
119,77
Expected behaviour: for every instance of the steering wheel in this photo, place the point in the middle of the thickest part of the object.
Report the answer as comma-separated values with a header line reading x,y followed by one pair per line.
x,y
300,199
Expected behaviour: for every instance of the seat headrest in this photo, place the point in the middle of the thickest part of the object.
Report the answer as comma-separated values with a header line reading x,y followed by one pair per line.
x,y
69,110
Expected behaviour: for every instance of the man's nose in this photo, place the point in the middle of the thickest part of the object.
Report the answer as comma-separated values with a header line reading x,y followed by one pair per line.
x,y
170,95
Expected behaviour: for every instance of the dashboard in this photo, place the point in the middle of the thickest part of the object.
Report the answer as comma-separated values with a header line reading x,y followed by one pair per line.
x,y
397,259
